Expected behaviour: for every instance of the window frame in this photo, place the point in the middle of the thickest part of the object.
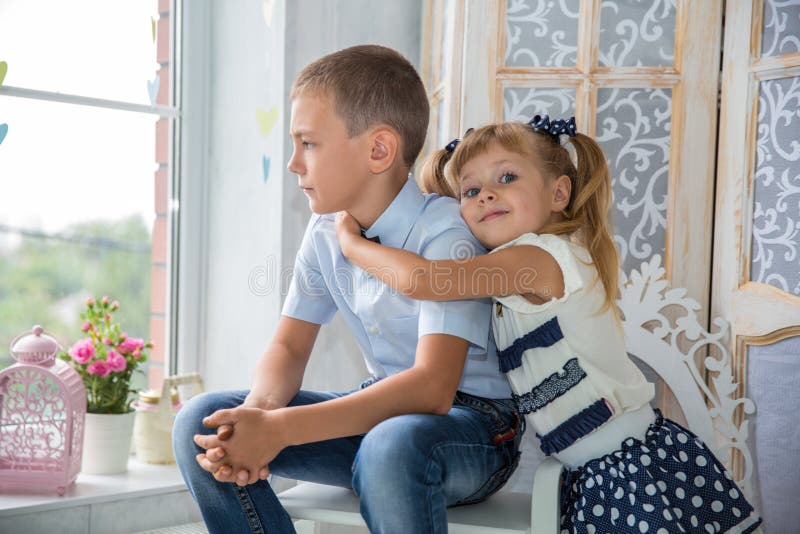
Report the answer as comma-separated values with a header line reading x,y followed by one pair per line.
x,y
171,113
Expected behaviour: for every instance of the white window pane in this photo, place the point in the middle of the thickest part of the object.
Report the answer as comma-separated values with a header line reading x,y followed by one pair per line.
x,y
76,215
93,48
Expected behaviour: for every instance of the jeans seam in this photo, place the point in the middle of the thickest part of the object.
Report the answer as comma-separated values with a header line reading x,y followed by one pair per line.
x,y
249,509
488,407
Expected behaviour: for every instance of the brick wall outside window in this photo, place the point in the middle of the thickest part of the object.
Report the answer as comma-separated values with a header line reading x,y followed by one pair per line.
x,y
159,259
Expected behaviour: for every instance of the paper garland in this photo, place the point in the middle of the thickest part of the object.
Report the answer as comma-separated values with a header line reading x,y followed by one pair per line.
x,y
4,126
265,167
266,120
267,9
152,89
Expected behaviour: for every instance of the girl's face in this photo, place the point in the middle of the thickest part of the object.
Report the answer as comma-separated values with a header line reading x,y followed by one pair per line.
x,y
503,195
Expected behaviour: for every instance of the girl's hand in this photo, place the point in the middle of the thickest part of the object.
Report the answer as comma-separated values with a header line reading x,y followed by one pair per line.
x,y
347,229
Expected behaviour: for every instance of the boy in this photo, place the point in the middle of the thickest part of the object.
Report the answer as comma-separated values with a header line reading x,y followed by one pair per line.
x,y
432,427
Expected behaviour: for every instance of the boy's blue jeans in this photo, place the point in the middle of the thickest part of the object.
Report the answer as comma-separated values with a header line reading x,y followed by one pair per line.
x,y
406,470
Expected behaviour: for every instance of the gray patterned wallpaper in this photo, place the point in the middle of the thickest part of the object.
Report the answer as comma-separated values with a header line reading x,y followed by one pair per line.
x,y
776,210
637,33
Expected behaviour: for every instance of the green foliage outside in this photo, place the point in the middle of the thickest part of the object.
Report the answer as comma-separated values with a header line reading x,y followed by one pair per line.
x,y
47,281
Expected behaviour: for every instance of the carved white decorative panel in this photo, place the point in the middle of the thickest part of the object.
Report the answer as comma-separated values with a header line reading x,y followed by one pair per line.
x,y
633,128
657,319
637,33
776,211
772,373
542,33
781,31
522,103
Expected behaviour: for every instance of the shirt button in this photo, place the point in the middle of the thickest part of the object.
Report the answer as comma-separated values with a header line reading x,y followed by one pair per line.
x,y
373,329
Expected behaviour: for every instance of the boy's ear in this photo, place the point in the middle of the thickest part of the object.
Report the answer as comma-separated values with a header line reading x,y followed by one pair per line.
x,y
562,192
384,146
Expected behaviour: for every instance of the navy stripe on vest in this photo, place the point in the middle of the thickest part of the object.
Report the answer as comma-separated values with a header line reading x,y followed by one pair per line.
x,y
545,335
575,427
551,388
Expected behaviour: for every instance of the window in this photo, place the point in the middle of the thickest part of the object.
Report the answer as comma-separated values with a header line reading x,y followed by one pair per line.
x,y
85,166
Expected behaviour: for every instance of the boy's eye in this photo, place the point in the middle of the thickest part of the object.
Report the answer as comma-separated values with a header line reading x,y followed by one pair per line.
x,y
471,192
307,145
508,178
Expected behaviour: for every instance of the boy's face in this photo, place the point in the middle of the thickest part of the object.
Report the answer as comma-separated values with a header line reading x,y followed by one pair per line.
x,y
331,167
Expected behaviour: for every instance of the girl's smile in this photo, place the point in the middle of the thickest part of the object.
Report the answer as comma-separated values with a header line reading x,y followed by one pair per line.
x,y
493,215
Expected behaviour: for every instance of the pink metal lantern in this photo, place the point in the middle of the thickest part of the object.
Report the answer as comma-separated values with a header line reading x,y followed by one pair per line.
x,y
42,413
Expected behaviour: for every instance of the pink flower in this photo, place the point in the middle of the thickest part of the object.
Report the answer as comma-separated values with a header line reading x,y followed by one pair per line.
x,y
90,301
137,354
115,305
82,351
106,341
130,345
116,362
104,300
108,318
99,368
86,326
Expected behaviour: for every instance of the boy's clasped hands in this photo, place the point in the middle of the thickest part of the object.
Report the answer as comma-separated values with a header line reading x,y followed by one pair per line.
x,y
241,456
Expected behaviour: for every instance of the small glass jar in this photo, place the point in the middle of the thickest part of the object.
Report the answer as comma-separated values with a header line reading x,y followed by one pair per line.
x,y
152,428
149,399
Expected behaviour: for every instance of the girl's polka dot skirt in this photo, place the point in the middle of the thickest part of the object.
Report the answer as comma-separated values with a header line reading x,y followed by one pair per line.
x,y
670,482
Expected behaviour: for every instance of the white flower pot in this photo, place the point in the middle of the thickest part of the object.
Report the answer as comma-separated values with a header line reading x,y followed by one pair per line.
x,y
107,443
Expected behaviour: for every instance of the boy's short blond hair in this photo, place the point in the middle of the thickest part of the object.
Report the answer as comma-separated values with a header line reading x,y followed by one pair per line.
x,y
371,85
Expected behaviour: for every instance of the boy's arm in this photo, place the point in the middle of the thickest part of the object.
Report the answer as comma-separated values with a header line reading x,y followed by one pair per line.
x,y
277,376
279,372
429,386
518,270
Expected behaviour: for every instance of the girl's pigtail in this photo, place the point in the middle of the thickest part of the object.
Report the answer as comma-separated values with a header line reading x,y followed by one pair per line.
x,y
432,177
590,205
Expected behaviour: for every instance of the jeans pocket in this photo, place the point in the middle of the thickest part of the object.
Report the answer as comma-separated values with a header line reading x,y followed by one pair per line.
x,y
493,484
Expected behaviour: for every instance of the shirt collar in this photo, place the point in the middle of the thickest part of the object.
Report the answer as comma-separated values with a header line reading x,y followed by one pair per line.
x,y
396,221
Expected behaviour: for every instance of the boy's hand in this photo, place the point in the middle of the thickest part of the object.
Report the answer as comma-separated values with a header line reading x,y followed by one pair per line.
x,y
347,228
254,443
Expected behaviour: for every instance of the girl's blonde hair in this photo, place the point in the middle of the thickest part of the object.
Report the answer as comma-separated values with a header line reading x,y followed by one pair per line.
x,y
588,211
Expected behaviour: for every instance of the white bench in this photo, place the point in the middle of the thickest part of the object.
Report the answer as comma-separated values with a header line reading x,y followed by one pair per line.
x,y
644,298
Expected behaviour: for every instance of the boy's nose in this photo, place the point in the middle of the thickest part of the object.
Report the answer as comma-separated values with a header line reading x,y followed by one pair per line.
x,y
294,165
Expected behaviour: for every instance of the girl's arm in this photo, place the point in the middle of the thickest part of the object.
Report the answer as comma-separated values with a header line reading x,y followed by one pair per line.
x,y
521,270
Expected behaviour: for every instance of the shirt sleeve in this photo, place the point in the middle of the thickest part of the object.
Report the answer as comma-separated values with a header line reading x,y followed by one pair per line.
x,y
309,298
467,319
559,249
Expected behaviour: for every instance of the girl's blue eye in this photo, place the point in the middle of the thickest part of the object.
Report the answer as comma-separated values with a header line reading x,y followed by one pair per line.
x,y
471,192
507,178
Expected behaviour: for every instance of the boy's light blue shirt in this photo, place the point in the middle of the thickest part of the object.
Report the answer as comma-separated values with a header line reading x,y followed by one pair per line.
x,y
385,323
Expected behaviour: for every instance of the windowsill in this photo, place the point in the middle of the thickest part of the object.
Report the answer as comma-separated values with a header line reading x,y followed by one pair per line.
x,y
140,480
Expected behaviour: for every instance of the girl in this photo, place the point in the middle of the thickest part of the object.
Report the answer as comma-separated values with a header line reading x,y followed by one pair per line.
x,y
552,272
